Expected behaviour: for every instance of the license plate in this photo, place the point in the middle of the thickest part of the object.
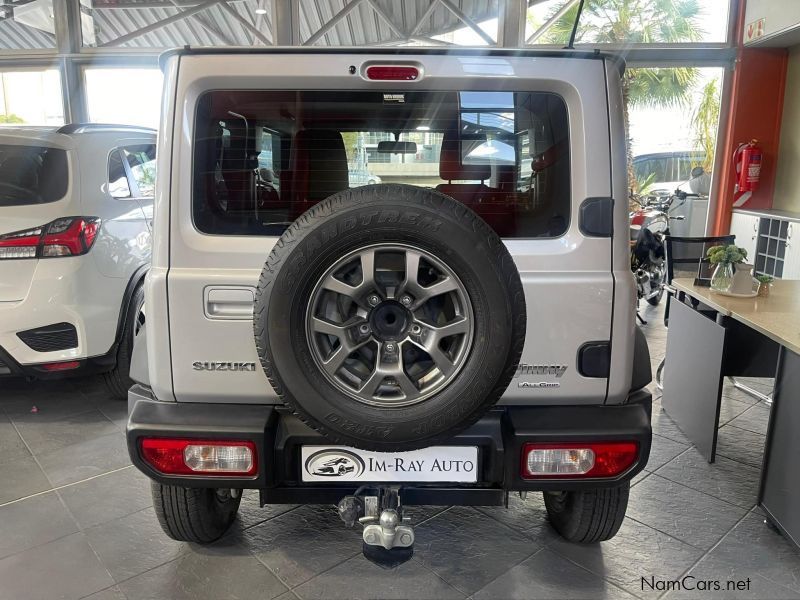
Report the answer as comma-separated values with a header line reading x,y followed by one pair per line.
x,y
437,464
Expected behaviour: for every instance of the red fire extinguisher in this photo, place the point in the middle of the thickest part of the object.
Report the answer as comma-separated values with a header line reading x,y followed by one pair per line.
x,y
747,160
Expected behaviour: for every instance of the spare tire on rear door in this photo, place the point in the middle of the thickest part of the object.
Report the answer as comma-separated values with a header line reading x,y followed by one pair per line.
x,y
389,317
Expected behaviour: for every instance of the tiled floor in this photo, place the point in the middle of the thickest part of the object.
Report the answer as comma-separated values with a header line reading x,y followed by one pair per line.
x,y
76,521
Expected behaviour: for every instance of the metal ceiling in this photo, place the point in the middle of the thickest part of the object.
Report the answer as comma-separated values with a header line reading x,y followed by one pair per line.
x,y
27,24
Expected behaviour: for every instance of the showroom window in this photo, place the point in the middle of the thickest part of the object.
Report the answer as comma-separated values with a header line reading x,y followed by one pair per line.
x,y
628,22
31,97
27,25
124,95
504,154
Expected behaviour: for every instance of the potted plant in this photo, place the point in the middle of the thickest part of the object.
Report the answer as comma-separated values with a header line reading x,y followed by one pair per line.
x,y
764,283
725,257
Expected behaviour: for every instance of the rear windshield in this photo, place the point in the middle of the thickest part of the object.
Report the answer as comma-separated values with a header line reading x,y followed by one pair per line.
x,y
262,158
32,174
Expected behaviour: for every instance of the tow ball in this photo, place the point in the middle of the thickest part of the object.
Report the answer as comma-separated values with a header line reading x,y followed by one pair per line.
x,y
388,539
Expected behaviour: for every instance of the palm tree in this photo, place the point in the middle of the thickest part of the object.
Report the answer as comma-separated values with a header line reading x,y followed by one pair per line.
x,y
625,22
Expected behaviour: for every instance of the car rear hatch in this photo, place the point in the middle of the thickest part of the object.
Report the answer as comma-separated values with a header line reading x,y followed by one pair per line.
x,y
34,187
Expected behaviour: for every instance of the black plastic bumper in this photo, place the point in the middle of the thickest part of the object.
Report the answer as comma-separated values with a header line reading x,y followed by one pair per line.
x,y
499,435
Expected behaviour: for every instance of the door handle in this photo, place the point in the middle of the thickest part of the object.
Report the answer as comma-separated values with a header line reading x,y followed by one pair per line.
x,y
229,302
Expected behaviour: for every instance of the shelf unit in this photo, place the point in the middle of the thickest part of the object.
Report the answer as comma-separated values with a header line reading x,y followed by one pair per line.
x,y
773,236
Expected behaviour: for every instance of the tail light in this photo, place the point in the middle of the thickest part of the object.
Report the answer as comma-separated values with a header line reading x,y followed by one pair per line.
x,y
392,73
226,458
577,459
70,236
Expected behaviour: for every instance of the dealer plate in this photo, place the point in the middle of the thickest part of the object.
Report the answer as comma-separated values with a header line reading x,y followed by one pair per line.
x,y
437,464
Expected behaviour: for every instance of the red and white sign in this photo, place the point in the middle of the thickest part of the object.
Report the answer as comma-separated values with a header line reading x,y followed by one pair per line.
x,y
754,30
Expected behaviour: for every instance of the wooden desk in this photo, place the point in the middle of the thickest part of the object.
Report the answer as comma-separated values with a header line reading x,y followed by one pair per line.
x,y
711,336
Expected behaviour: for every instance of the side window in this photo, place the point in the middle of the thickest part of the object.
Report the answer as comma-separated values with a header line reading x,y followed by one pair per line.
x,y
142,162
118,185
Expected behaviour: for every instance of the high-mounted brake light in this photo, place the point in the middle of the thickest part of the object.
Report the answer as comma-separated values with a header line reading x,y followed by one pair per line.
x,y
70,236
221,458
392,73
577,459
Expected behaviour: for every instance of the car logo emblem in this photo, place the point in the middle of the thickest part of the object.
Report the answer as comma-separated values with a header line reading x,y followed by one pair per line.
x,y
334,463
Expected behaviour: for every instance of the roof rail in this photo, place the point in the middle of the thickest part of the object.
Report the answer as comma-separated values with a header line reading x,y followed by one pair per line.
x,y
87,127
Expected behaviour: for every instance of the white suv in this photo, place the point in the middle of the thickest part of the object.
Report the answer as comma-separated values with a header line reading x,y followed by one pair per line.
x,y
76,208
460,333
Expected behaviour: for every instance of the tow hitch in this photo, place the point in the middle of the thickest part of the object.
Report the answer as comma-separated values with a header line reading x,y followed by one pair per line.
x,y
388,539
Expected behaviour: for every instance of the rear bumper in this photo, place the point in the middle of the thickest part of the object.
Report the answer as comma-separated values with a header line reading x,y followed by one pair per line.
x,y
9,367
278,437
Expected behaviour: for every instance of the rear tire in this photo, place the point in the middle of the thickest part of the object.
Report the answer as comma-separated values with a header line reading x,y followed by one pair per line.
x,y
588,516
118,379
199,515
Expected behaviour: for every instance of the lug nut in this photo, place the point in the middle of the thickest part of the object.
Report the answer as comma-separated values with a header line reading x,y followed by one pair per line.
x,y
416,329
390,347
373,300
405,300
363,329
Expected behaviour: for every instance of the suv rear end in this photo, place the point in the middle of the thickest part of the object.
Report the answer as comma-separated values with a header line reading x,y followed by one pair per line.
x,y
521,145
73,248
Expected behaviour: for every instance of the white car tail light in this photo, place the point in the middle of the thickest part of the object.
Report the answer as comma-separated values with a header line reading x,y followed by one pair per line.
x,y
592,459
70,236
229,458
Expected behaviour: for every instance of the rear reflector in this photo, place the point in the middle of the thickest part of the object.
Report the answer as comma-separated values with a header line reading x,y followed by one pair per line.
x,y
568,460
392,73
60,366
229,458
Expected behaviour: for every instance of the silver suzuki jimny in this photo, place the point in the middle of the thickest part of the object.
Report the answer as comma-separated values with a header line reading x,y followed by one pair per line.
x,y
458,332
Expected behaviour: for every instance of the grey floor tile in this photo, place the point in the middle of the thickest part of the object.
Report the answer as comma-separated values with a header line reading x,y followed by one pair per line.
x,y
107,497
662,451
20,478
53,404
358,578
702,581
116,411
728,391
44,432
133,544
205,574
111,593
636,551
741,445
290,595
250,513
728,480
664,426
12,447
528,517
755,419
751,548
32,522
302,543
85,459
641,475
64,568
683,513
468,549
549,575
731,408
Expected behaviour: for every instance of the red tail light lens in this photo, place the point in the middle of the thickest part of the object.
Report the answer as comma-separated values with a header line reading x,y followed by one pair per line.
x,y
70,236
221,458
61,366
392,73
577,459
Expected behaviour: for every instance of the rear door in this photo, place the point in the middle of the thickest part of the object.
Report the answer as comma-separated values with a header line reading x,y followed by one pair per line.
x,y
561,244
35,187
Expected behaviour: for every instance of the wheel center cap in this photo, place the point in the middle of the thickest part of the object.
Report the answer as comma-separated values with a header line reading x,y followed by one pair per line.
x,y
389,321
